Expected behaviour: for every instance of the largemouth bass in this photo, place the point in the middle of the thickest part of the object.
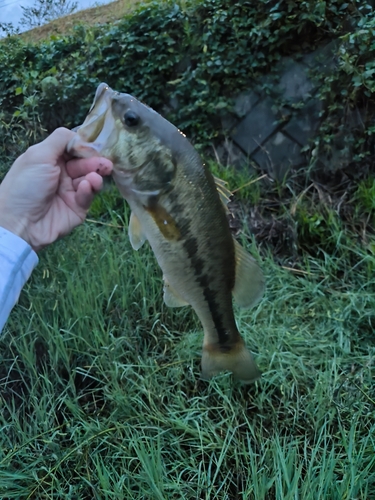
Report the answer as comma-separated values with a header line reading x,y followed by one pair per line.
x,y
177,206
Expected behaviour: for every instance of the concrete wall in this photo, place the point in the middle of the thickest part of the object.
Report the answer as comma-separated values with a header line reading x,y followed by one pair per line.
x,y
273,122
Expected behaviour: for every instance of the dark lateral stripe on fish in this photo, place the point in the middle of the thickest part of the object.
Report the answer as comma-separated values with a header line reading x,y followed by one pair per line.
x,y
217,317
190,244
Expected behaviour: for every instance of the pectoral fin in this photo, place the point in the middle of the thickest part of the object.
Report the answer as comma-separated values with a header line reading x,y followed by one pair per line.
x,y
171,297
136,236
249,284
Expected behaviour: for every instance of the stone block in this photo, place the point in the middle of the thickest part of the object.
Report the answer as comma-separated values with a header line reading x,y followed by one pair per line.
x,y
278,155
256,127
322,59
228,121
227,153
295,84
244,103
303,125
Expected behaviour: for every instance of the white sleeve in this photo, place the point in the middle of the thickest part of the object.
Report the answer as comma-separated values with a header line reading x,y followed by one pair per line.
x,y
17,261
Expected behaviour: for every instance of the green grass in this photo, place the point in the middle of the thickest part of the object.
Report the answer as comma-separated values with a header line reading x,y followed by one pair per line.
x,y
101,396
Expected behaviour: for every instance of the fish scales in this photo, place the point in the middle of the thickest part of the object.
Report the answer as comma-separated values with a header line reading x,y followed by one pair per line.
x,y
205,243
176,206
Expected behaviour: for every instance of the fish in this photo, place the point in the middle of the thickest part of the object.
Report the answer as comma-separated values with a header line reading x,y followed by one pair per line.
x,y
180,209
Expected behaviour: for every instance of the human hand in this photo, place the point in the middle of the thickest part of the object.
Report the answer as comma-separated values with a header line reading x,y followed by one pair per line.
x,y
46,193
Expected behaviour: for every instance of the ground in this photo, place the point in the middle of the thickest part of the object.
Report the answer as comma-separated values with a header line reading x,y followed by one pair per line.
x,y
101,392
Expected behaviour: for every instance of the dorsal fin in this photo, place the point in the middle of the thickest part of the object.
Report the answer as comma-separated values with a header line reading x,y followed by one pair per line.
x,y
249,285
224,192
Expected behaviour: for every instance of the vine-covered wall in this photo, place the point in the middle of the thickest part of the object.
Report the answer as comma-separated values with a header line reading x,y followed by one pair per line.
x,y
189,60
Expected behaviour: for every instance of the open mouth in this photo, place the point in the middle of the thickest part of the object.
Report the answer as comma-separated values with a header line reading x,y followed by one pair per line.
x,y
98,131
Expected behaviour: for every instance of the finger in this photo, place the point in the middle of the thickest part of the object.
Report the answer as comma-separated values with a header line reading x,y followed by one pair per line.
x,y
77,182
84,195
87,189
95,180
79,167
51,148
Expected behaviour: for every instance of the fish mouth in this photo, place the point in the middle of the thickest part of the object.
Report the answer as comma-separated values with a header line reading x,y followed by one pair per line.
x,y
100,94
98,133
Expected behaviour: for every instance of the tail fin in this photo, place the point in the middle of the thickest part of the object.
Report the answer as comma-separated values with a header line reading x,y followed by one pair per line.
x,y
237,360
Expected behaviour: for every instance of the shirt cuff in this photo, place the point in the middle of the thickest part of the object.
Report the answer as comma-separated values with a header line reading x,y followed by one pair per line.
x,y
17,261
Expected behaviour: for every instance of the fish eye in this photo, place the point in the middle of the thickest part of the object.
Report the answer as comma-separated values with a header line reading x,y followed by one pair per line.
x,y
131,119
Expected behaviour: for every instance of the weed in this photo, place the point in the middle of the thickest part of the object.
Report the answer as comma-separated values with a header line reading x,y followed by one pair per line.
x,y
101,394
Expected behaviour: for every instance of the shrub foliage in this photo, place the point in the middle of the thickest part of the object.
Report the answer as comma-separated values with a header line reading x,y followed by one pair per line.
x,y
186,58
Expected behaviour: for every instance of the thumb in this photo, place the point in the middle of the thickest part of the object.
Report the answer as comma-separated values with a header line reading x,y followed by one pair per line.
x,y
51,148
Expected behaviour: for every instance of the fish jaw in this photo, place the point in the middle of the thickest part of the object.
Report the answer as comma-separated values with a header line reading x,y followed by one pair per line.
x,y
98,134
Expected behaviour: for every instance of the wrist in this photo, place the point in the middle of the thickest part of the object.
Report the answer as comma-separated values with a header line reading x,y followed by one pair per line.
x,y
15,225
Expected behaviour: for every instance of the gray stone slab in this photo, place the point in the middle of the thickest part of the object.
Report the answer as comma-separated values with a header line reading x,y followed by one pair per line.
x,y
278,155
228,121
244,103
295,84
256,127
357,117
303,125
339,154
228,154
322,59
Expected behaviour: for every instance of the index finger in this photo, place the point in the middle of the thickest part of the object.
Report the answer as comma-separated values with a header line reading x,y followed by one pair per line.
x,y
79,167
